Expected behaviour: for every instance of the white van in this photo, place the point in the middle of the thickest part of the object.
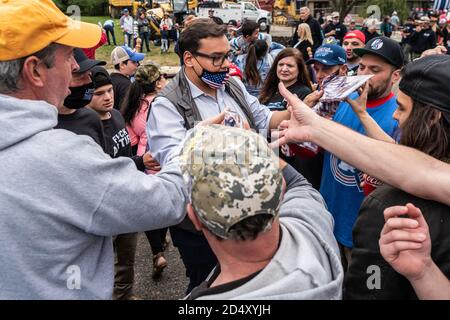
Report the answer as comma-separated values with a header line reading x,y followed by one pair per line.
x,y
237,12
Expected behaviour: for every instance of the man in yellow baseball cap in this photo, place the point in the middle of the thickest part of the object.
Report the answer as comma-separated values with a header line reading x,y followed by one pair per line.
x,y
42,25
63,198
36,51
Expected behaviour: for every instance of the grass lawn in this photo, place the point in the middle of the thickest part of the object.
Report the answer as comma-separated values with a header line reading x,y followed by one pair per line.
x,y
104,52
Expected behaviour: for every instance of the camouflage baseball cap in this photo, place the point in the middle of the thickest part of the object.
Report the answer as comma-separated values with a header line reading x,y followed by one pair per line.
x,y
231,174
147,73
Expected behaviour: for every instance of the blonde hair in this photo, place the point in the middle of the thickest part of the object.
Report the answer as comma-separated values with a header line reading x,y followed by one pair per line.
x,y
306,34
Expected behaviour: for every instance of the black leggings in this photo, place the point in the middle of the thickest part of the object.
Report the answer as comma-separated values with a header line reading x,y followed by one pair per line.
x,y
156,238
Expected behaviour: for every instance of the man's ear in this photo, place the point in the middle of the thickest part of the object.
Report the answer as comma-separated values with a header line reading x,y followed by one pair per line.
x,y
122,65
158,84
187,59
396,76
193,217
343,70
33,71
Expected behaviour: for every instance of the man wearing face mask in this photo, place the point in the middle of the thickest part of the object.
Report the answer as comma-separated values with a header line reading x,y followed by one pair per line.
x,y
201,90
336,29
73,115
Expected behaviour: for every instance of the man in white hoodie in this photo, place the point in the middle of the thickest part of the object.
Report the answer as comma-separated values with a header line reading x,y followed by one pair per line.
x,y
62,198
268,227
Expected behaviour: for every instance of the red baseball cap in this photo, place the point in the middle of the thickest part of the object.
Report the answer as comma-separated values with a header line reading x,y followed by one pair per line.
x,y
356,34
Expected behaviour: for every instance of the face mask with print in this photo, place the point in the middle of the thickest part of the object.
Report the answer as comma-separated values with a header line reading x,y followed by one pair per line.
x,y
215,80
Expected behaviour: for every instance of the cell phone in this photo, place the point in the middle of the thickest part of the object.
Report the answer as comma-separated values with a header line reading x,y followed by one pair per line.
x,y
232,119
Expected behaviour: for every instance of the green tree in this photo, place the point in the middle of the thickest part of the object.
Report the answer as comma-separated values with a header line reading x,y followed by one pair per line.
x,y
343,7
389,6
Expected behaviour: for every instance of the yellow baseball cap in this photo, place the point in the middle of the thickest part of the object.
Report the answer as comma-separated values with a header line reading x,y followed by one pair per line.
x,y
27,26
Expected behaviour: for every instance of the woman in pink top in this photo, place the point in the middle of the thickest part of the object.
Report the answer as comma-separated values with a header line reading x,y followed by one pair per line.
x,y
135,107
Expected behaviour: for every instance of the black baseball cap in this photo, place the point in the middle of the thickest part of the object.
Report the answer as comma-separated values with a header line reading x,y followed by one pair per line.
x,y
386,48
100,77
84,62
424,80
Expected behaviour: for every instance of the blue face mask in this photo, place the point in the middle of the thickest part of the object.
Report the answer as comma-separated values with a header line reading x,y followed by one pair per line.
x,y
215,80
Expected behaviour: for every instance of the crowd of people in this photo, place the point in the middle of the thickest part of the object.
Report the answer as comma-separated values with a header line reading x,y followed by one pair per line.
x,y
140,27
276,208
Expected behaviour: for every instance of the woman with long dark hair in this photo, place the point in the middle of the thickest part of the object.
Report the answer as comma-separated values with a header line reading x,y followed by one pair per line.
x,y
135,107
255,65
423,115
288,67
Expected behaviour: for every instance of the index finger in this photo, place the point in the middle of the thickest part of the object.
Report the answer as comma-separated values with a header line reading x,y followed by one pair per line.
x,y
365,90
394,211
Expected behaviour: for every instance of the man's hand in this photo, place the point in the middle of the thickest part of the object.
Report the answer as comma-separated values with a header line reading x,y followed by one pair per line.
x,y
437,50
312,98
359,105
297,129
150,163
214,120
405,242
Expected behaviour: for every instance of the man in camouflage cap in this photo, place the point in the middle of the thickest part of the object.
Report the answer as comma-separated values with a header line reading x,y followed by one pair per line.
x,y
233,175
148,73
267,226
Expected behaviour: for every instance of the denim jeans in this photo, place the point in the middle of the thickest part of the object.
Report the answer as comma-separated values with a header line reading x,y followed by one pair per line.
x,y
128,39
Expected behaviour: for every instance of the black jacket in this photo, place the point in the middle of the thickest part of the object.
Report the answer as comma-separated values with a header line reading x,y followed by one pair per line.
x,y
120,84
366,251
303,48
423,40
369,36
316,33
340,28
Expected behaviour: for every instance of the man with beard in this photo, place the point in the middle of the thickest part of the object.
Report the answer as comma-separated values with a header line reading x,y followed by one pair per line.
x,y
73,115
353,40
383,58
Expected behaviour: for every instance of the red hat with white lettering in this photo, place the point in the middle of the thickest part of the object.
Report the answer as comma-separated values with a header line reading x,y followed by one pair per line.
x,y
356,34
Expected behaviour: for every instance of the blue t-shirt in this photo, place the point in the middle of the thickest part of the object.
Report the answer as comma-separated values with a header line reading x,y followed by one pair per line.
x,y
340,186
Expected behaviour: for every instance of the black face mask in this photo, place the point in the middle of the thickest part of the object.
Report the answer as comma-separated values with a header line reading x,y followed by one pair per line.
x,y
79,96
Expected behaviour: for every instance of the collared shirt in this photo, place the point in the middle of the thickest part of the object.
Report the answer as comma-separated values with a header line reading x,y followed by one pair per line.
x,y
165,126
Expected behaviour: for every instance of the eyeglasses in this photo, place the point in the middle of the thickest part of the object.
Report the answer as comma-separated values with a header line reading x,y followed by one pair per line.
x,y
217,60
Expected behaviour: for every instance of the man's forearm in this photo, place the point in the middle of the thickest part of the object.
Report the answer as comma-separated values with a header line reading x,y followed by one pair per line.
x,y
399,166
434,285
277,117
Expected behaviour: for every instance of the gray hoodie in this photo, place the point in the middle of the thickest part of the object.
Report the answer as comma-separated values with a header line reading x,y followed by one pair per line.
x,y
62,199
307,264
